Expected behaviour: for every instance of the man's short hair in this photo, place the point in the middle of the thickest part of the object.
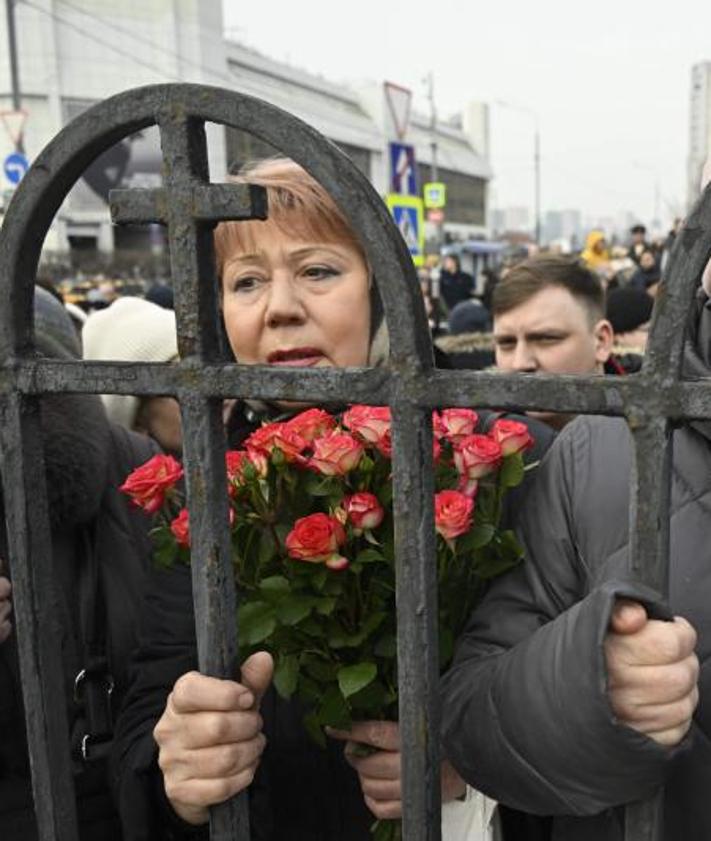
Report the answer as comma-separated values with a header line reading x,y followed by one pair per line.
x,y
542,272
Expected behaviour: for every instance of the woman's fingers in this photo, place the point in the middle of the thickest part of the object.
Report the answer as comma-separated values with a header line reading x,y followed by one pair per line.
x,y
212,763
389,810
194,692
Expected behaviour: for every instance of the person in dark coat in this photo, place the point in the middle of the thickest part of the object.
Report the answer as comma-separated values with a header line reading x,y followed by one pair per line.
x,y
455,285
101,551
295,291
568,697
648,275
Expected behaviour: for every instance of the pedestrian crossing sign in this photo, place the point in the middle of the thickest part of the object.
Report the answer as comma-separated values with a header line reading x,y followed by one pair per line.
x,y
408,214
435,195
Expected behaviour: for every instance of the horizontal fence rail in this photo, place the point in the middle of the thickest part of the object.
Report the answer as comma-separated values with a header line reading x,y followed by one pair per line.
x,y
189,206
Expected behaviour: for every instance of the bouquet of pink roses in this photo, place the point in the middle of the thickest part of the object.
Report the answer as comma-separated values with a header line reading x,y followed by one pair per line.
x,y
312,532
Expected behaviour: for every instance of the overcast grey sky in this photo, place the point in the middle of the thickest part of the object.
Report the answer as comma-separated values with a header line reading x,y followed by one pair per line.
x,y
609,82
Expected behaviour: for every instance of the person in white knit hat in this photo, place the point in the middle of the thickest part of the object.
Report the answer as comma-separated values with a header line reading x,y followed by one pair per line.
x,y
135,330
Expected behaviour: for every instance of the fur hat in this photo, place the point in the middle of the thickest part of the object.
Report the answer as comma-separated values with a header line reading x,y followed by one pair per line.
x,y
55,334
130,330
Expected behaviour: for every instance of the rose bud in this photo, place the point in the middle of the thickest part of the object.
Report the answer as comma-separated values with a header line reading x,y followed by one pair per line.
x,y
476,456
317,539
271,435
181,528
513,436
336,454
371,423
148,485
453,513
364,511
311,424
456,424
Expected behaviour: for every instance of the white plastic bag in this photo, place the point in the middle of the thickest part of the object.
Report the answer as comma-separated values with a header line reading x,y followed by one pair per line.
x,y
470,819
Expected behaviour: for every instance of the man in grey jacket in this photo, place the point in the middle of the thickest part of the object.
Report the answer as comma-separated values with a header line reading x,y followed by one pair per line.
x,y
568,696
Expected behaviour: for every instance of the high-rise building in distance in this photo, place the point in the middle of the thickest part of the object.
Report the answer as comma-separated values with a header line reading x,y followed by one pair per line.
x,y
700,127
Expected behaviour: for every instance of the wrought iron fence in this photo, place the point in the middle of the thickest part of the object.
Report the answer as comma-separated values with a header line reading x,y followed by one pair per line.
x,y
189,205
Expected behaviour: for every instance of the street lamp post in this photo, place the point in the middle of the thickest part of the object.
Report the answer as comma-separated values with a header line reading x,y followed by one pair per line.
x,y
14,72
536,161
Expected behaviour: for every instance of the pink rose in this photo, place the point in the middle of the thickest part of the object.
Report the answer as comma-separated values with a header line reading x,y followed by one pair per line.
x,y
236,463
364,511
316,539
456,424
271,435
311,424
371,423
336,454
148,485
181,528
513,436
453,513
476,456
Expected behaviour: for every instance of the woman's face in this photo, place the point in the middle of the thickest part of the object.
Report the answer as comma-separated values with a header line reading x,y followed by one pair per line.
x,y
292,302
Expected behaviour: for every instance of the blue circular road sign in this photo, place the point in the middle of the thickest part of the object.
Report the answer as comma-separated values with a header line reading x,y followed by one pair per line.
x,y
15,166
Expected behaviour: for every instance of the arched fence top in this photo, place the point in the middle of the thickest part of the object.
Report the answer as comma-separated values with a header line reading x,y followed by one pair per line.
x,y
173,108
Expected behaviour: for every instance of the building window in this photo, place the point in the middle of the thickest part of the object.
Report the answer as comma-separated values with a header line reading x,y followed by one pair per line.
x,y
466,195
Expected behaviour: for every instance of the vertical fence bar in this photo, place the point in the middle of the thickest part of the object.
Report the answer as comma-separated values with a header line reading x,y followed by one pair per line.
x,y
212,576
418,658
649,557
193,269
36,617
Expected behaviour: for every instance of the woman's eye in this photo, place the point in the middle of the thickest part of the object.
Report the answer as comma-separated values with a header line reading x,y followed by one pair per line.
x,y
317,272
244,284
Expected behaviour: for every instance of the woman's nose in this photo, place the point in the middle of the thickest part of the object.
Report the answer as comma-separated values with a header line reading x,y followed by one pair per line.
x,y
284,304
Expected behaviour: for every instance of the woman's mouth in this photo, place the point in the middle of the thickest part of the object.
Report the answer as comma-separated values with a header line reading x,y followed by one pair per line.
x,y
303,357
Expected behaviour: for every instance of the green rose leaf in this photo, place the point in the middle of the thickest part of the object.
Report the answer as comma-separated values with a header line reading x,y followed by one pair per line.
x,y
256,622
293,609
499,556
286,674
321,486
334,711
512,471
324,606
369,556
477,538
338,638
274,588
266,547
352,679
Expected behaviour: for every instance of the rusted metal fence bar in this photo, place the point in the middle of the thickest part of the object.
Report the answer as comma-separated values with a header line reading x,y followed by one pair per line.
x,y
417,654
37,618
212,576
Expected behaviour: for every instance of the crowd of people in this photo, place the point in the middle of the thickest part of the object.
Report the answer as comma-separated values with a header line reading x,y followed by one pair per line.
x,y
573,690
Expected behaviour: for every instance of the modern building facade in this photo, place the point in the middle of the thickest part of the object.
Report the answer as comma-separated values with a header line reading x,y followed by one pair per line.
x,y
73,53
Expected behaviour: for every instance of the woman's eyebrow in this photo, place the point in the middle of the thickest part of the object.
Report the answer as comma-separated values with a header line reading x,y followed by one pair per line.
x,y
309,249
243,258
